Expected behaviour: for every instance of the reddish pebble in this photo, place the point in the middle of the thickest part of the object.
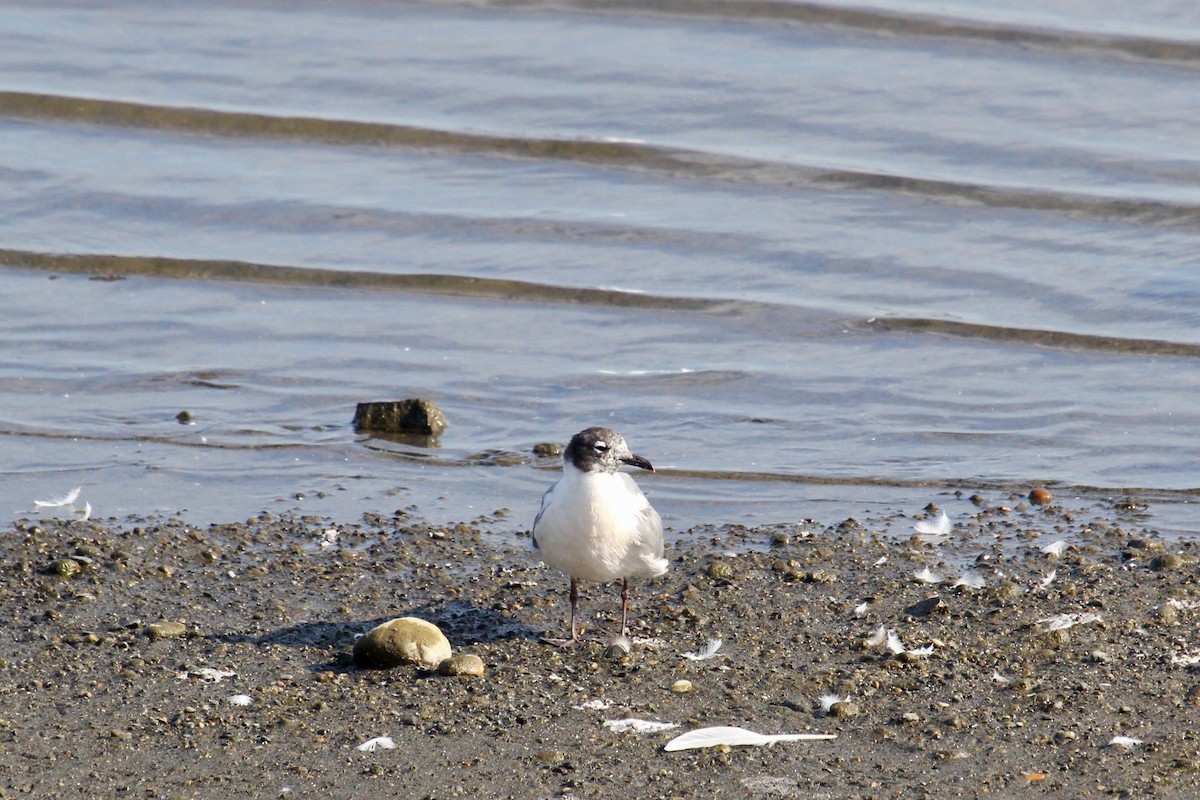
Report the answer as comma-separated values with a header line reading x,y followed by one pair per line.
x,y
1040,496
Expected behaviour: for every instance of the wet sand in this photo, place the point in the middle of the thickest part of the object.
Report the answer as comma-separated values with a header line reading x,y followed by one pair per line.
x,y
100,698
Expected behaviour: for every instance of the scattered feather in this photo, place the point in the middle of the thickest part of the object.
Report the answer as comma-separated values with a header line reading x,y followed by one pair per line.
x,y
772,786
86,514
938,527
1185,659
1055,548
970,579
860,610
207,674
882,560
927,575
378,743
1184,605
709,651
1061,622
828,701
1049,579
734,737
1127,742
878,638
328,537
67,499
934,531
638,725
920,652
1000,679
239,699
894,645
593,705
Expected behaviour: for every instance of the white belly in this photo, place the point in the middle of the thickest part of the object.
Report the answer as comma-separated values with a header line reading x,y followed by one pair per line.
x,y
600,527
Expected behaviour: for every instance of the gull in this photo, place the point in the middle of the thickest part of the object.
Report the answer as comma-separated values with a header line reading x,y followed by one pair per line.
x,y
596,525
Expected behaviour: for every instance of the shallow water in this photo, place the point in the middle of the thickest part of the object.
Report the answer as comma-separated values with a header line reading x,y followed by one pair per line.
x,y
811,260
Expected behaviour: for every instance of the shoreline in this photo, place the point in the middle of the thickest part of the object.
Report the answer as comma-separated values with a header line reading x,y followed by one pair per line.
x,y
127,641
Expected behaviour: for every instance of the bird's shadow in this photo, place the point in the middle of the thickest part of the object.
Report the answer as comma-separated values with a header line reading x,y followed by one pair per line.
x,y
463,623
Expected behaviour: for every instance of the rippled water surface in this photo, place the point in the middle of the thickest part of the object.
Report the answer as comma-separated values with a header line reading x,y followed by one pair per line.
x,y
813,260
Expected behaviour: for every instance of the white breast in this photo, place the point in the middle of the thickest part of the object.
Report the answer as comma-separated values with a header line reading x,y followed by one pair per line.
x,y
598,526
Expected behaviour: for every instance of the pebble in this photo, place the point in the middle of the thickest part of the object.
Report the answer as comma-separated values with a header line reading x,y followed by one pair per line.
x,y
1165,562
406,640
166,630
720,571
65,567
465,665
930,605
681,686
1040,496
844,709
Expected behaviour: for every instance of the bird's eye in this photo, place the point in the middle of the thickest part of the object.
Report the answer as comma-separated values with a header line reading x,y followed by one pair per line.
x,y
600,447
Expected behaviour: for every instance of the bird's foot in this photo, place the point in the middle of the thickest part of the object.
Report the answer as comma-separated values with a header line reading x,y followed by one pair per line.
x,y
574,640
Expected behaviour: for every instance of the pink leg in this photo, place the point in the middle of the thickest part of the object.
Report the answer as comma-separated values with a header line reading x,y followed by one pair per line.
x,y
574,631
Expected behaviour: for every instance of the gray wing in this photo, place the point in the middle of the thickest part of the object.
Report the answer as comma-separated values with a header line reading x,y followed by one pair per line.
x,y
650,530
649,523
542,510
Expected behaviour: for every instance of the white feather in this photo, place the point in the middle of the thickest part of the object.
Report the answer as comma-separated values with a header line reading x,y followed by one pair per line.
x,y
894,645
934,531
734,737
638,725
878,638
1049,579
920,652
1061,622
970,579
882,560
1055,548
378,743
87,512
593,705
240,699
927,575
67,499
860,610
827,701
1127,742
709,651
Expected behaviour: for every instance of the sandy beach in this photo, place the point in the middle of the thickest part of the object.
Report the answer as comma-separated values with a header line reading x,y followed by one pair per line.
x,y
159,659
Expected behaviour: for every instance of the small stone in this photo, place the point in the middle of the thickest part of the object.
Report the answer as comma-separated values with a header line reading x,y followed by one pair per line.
x,y
1040,496
681,686
844,709
1100,657
720,571
1062,737
1168,614
780,540
406,640
1164,562
465,665
166,630
548,450
411,416
820,576
928,606
550,757
184,417
65,567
